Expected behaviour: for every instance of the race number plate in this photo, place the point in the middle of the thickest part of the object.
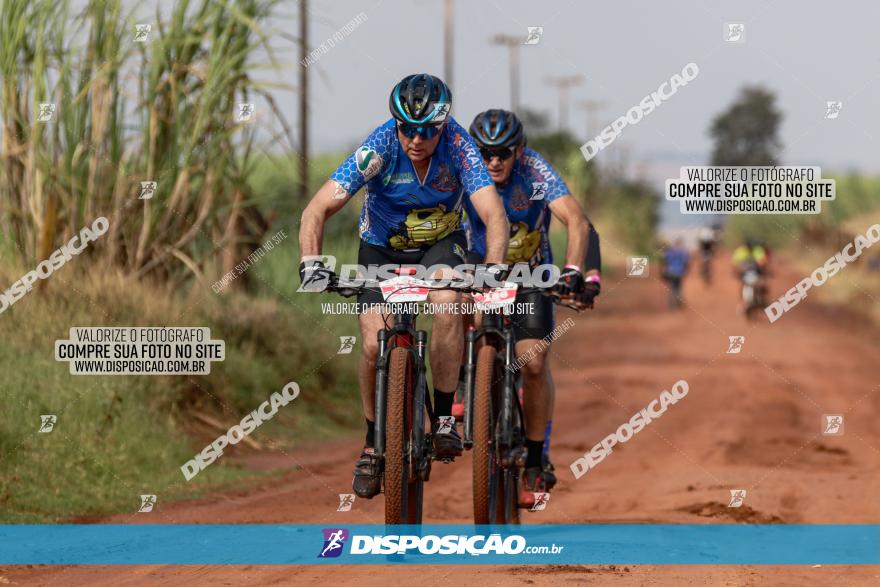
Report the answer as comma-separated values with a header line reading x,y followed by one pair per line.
x,y
404,288
498,298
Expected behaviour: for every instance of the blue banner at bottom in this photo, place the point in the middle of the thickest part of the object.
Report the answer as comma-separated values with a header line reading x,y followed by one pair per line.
x,y
282,544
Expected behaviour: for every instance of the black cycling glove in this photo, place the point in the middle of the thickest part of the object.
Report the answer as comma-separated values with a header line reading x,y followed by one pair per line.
x,y
571,281
589,293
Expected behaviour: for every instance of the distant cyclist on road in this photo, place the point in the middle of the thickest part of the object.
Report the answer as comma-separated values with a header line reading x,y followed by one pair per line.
x,y
532,191
675,266
752,257
419,169
750,254
707,241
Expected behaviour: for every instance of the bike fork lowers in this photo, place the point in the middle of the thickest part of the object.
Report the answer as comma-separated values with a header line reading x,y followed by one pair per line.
x,y
469,374
420,391
379,395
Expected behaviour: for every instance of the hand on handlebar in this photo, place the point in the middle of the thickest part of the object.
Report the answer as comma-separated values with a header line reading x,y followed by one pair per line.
x,y
570,281
586,297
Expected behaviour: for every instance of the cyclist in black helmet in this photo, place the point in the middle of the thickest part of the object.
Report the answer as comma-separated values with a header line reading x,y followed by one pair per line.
x,y
419,168
532,191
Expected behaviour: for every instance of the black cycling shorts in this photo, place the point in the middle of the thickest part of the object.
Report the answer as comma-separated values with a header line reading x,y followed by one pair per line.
x,y
533,321
534,314
449,251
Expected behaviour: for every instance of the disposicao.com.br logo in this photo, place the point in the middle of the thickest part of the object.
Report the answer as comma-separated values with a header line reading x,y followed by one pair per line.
x,y
450,544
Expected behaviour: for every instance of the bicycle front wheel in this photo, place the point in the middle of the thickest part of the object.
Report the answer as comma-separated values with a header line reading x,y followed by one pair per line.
x,y
488,488
403,487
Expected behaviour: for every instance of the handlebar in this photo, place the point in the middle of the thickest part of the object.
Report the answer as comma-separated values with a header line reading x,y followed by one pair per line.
x,y
350,290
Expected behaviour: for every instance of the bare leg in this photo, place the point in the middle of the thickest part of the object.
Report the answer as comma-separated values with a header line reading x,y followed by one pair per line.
x,y
535,398
447,342
370,324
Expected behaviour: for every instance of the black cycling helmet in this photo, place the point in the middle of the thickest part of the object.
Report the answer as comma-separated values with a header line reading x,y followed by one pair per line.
x,y
420,99
497,128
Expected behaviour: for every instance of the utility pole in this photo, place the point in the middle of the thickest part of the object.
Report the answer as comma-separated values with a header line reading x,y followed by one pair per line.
x,y
563,83
448,20
512,43
303,101
591,107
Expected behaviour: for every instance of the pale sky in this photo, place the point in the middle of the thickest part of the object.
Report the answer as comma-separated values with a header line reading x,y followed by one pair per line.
x,y
806,52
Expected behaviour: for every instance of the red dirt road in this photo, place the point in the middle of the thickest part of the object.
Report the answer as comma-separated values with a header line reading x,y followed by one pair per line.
x,y
750,421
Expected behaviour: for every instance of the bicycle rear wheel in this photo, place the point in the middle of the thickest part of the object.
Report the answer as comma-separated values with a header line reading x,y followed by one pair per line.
x,y
403,489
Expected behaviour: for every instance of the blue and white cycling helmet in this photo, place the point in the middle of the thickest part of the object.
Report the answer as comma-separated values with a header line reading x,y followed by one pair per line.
x,y
420,99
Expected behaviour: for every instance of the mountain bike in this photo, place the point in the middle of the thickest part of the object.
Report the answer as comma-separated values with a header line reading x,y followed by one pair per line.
x,y
753,292
494,423
403,443
706,266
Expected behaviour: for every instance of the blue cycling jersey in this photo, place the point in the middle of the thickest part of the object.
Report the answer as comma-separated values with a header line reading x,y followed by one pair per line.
x,y
400,211
676,261
532,185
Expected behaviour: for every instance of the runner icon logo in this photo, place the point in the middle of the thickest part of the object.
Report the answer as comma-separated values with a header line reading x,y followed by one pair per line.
x,y
245,112
334,540
734,32
736,344
833,424
447,423
541,500
832,109
147,503
737,497
638,267
142,33
346,500
148,189
535,34
346,345
47,112
539,189
47,423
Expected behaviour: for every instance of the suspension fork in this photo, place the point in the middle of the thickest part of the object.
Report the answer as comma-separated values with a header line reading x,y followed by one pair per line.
x,y
380,396
509,391
469,374
419,393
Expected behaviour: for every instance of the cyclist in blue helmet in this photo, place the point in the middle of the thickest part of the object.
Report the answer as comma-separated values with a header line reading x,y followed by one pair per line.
x,y
419,168
532,192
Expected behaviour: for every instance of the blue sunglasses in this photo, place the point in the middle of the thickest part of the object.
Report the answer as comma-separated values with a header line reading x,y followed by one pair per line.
x,y
426,131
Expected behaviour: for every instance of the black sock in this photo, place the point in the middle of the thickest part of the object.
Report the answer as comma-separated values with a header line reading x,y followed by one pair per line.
x,y
443,402
535,448
371,434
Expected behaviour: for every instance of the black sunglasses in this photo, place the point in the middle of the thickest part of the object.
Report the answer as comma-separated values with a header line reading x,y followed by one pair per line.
x,y
502,153
426,131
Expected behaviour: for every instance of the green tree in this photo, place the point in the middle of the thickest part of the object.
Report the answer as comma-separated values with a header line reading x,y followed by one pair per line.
x,y
747,132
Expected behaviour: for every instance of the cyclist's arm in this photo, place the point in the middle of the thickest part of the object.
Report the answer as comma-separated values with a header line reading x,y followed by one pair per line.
x,y
488,205
569,212
311,226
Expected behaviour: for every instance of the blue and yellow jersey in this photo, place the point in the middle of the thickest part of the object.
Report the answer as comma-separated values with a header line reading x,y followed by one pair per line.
x,y
401,212
532,186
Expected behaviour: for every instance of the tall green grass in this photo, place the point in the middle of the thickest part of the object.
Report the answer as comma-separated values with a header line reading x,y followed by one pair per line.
x,y
129,112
